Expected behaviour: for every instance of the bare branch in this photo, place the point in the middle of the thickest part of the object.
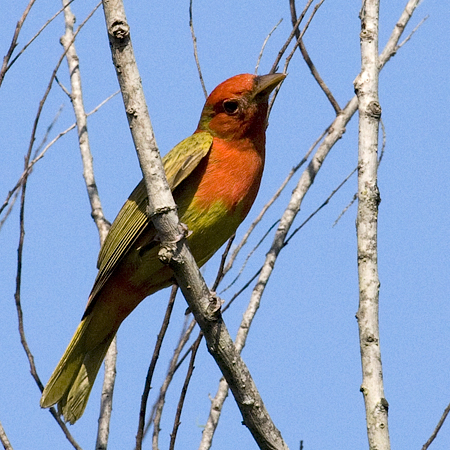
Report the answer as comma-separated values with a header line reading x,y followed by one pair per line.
x,y
109,379
177,422
17,297
366,87
194,42
4,439
97,214
81,120
37,35
333,133
288,59
151,369
173,366
13,44
310,64
412,32
300,37
204,306
392,45
290,37
266,40
26,172
438,427
269,203
333,192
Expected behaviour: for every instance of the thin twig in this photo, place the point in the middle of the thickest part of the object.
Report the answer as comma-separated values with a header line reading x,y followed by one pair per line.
x,y
438,427
266,40
325,202
177,422
37,34
269,203
300,36
290,37
194,42
288,59
353,200
412,32
249,255
151,368
28,170
320,207
221,271
15,192
173,366
13,44
18,303
310,64
20,248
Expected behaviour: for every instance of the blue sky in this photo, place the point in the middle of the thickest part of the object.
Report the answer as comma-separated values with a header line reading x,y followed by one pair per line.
x,y
303,348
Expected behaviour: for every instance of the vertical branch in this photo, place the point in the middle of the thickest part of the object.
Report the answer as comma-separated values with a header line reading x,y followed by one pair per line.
x,y
366,87
102,224
76,97
151,369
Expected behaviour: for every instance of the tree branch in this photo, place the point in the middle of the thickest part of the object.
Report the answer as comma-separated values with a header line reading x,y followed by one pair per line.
x,y
76,97
333,133
174,250
13,44
366,87
309,62
438,427
151,369
194,43
4,439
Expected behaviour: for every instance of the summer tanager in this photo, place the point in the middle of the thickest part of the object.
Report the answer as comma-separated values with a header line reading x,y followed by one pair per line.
x,y
214,176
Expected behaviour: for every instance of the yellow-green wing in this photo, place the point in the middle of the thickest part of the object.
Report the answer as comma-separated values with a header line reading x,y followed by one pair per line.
x,y
133,219
185,157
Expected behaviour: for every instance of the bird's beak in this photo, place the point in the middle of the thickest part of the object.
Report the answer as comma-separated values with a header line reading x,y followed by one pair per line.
x,y
265,84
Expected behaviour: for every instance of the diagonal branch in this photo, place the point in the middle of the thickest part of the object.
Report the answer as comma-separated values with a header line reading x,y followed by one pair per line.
x,y
333,133
13,44
204,306
309,62
4,439
194,43
438,427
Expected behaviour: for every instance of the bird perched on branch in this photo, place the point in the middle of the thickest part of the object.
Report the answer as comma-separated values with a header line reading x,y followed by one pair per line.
x,y
214,176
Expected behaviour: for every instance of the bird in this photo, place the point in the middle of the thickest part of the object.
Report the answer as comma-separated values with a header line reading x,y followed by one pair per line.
x,y
214,175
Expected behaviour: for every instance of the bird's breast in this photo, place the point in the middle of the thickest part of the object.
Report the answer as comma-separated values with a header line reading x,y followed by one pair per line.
x,y
228,182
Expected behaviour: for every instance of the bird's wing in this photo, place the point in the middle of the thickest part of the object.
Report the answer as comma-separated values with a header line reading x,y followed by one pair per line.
x,y
133,217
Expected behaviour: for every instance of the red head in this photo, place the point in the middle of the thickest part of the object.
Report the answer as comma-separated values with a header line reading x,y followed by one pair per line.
x,y
237,108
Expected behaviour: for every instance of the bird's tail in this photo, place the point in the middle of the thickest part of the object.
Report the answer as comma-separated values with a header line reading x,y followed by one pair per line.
x,y
74,376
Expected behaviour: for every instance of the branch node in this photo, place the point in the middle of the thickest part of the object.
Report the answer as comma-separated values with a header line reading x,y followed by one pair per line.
x,y
214,307
367,35
120,31
374,110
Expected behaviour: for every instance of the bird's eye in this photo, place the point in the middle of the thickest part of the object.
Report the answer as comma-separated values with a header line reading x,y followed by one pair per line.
x,y
231,107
